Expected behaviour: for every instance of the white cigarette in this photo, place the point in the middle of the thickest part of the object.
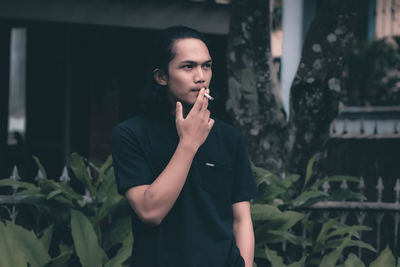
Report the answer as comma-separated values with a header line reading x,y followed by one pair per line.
x,y
208,96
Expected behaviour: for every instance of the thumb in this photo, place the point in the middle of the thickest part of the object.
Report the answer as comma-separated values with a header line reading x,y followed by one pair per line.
x,y
178,111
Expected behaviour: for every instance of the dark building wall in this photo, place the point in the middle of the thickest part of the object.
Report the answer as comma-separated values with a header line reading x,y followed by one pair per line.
x,y
4,85
45,91
84,79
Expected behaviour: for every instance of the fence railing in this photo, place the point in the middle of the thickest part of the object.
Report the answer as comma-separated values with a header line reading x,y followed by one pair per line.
x,y
382,217
366,123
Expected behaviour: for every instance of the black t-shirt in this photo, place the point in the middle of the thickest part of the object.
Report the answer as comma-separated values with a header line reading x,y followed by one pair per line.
x,y
197,231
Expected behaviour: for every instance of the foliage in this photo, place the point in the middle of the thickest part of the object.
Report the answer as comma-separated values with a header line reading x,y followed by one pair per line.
x,y
372,73
280,214
91,237
92,240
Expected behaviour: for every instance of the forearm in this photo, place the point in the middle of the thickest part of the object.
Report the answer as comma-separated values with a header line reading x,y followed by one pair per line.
x,y
154,201
244,236
163,192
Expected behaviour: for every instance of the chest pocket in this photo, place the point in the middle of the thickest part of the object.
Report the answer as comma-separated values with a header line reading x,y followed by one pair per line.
x,y
217,178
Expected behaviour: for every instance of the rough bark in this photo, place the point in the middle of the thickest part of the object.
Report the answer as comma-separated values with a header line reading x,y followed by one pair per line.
x,y
316,87
253,100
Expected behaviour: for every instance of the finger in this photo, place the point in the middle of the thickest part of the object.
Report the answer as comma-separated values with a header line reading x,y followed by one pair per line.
x,y
205,103
210,124
207,114
179,111
199,101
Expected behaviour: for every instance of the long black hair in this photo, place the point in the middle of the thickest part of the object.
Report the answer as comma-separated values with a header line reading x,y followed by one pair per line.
x,y
154,96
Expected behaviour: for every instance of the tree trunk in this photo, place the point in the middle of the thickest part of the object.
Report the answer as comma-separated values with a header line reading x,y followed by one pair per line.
x,y
253,99
316,88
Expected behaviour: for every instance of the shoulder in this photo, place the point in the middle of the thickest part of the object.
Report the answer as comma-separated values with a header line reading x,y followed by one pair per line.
x,y
133,126
227,131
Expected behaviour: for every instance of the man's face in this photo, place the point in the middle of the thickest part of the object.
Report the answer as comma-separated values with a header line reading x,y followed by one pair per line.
x,y
189,71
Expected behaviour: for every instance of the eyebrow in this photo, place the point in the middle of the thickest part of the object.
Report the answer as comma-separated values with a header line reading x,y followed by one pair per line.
x,y
194,62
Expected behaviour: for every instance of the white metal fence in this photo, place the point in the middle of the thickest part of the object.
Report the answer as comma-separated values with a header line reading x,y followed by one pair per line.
x,y
382,217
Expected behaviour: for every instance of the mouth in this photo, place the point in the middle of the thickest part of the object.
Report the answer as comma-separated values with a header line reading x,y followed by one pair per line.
x,y
197,90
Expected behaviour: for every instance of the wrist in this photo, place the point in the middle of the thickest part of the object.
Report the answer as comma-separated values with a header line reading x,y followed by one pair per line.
x,y
187,147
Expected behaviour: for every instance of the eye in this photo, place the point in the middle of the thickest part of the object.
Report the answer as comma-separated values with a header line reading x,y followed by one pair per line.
x,y
187,66
207,66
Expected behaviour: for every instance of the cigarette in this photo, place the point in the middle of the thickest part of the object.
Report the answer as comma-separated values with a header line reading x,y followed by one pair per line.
x,y
208,96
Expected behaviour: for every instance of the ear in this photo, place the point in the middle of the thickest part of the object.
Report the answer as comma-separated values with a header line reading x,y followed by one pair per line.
x,y
160,77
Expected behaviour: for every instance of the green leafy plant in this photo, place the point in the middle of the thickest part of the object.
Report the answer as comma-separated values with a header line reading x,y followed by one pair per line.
x,y
87,222
372,73
279,216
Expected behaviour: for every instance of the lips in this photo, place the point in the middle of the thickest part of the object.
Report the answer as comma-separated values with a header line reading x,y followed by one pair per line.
x,y
197,89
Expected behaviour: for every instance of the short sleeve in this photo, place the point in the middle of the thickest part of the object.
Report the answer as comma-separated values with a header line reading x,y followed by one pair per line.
x,y
244,188
130,165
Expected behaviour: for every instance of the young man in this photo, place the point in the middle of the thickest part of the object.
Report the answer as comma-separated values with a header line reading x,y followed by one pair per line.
x,y
186,176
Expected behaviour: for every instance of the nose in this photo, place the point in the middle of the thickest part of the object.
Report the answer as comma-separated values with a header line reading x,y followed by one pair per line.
x,y
199,76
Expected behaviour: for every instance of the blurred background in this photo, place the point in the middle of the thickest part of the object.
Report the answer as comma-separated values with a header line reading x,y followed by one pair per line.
x,y
71,70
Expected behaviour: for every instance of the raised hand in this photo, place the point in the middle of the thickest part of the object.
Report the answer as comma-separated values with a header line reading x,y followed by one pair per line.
x,y
194,129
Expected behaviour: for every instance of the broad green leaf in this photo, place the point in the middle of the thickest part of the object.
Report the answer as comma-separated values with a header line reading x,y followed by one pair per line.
x,y
108,194
341,195
288,219
274,217
9,182
94,163
325,228
25,242
10,253
106,164
327,244
78,166
69,192
85,240
11,200
274,258
275,236
347,230
48,186
330,259
64,201
277,261
46,237
119,232
40,166
298,263
265,176
61,260
259,253
353,261
307,195
334,243
308,171
31,196
290,180
386,259
262,212
64,249
53,194
268,193
123,254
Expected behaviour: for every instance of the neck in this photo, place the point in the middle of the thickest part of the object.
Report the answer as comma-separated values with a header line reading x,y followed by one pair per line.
x,y
186,109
